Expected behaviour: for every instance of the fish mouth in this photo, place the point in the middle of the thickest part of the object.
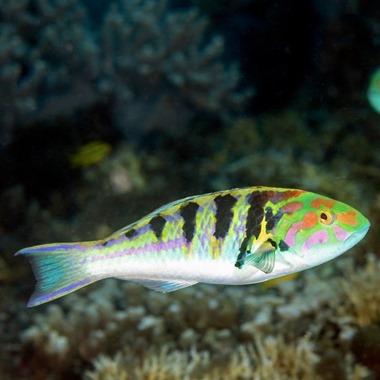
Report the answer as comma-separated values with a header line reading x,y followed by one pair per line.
x,y
355,237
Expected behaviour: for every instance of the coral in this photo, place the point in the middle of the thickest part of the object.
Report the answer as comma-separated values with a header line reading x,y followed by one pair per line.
x,y
366,347
151,52
256,151
361,291
106,368
47,56
143,55
269,359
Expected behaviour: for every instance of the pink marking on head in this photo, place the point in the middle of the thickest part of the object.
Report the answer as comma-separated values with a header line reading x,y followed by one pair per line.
x,y
309,221
317,237
290,237
340,233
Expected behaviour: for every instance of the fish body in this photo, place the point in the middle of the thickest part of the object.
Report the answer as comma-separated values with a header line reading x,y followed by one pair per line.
x,y
232,237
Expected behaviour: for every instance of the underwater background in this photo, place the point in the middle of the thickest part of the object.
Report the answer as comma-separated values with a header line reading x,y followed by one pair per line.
x,y
111,108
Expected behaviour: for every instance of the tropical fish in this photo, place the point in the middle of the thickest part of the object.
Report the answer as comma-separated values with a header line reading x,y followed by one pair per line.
x,y
90,154
232,237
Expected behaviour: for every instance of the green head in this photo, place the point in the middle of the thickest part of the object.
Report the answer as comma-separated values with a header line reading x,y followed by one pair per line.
x,y
318,228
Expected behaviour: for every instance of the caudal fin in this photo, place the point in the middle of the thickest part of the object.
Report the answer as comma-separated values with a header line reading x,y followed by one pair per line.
x,y
59,269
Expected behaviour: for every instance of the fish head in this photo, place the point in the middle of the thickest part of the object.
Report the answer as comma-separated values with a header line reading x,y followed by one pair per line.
x,y
318,228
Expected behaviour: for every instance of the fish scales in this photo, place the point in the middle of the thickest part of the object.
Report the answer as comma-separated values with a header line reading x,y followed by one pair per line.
x,y
238,236
199,230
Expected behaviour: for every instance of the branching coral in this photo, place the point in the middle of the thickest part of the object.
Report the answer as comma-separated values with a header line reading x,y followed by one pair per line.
x,y
269,359
143,55
162,48
46,52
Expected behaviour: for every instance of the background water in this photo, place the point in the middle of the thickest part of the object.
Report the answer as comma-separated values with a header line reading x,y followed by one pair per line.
x,y
109,109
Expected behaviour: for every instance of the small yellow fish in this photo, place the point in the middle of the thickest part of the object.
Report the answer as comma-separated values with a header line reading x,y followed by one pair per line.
x,y
90,154
273,283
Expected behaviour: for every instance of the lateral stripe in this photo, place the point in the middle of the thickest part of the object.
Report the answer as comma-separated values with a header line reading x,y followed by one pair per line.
x,y
255,216
272,219
130,233
188,213
157,224
224,214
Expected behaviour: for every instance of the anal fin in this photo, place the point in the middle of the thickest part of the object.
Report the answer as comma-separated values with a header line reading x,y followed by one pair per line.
x,y
164,286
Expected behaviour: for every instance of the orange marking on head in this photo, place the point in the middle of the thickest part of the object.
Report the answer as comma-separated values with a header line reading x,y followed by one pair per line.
x,y
348,217
318,202
310,220
292,194
291,207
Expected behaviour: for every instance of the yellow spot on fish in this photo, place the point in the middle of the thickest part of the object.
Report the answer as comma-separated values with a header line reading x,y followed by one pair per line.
x,y
264,236
90,154
216,246
273,283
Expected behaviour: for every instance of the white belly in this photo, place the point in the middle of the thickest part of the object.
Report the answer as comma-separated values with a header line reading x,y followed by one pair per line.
x,y
192,270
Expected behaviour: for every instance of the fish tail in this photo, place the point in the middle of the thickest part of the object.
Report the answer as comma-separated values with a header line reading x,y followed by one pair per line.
x,y
59,269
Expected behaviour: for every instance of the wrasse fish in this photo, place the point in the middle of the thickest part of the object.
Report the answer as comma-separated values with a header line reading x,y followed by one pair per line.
x,y
232,237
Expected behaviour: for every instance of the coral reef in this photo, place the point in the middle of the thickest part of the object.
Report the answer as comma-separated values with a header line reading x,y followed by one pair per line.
x,y
255,151
144,65
48,60
366,347
143,56
124,330
269,358
360,289
121,329
164,52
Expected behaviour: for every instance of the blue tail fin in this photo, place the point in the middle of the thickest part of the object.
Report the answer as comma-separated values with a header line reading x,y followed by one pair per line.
x,y
59,269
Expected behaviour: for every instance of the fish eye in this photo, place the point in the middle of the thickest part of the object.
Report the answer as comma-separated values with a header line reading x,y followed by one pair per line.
x,y
326,217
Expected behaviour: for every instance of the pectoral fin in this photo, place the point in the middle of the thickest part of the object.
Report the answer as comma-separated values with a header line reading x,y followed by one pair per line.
x,y
263,257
